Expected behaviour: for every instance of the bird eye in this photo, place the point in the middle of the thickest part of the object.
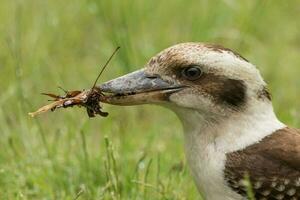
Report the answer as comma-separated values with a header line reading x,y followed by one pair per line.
x,y
191,73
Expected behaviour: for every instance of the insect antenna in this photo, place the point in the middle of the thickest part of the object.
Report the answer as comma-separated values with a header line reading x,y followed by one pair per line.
x,y
103,68
65,91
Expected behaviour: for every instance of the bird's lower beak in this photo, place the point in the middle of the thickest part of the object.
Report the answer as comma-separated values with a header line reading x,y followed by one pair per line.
x,y
138,88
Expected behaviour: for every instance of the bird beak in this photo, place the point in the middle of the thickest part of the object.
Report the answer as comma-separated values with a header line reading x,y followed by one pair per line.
x,y
138,88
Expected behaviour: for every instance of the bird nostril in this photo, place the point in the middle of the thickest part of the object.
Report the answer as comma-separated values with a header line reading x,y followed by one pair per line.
x,y
152,76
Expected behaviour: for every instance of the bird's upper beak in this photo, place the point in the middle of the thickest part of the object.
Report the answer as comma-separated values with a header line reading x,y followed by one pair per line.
x,y
138,88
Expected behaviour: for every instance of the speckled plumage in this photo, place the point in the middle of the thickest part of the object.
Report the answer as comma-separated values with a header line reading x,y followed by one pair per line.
x,y
273,166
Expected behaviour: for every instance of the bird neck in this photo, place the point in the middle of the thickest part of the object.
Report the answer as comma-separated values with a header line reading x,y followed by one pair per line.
x,y
230,132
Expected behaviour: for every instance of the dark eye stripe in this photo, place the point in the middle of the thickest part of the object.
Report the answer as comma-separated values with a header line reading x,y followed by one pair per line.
x,y
222,89
233,92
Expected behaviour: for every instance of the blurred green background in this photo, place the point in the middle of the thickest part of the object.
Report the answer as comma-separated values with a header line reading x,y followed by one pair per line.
x,y
137,152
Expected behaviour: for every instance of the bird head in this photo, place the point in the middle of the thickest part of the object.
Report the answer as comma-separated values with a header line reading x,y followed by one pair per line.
x,y
209,79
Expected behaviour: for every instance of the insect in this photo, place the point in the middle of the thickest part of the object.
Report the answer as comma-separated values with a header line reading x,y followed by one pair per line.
x,y
90,99
68,94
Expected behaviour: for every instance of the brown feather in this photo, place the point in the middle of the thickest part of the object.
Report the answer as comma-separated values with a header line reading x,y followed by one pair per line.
x,y
273,166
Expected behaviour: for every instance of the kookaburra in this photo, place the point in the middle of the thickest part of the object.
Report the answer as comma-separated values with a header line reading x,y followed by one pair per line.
x,y
230,128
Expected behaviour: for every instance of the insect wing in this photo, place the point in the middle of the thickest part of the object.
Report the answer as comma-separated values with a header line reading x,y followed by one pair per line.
x,y
54,96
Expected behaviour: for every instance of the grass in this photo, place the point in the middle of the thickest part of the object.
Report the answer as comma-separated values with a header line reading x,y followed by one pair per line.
x,y
137,152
